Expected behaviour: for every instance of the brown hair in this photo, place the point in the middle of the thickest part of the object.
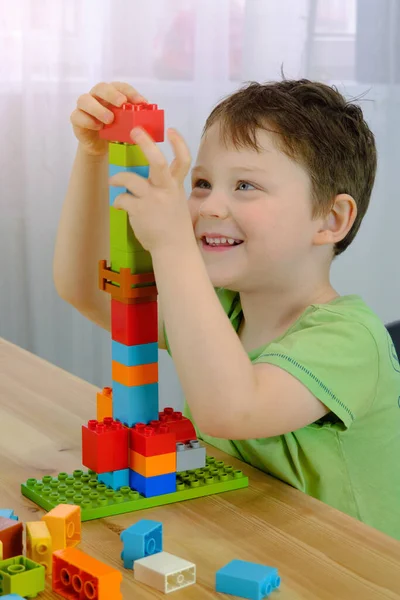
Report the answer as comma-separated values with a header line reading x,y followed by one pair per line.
x,y
317,127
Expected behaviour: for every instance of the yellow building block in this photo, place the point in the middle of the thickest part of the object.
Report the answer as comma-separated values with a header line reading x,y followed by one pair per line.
x,y
149,466
39,544
64,523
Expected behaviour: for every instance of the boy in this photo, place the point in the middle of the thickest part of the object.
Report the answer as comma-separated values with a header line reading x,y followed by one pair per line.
x,y
297,381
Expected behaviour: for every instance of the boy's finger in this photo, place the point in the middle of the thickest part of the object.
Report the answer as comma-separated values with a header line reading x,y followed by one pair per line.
x,y
130,92
181,164
159,171
108,93
92,107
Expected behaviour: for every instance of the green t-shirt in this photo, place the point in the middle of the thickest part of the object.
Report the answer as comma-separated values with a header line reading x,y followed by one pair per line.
x,y
349,459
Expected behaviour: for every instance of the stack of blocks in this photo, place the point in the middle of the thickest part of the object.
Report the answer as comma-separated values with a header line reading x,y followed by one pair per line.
x,y
131,443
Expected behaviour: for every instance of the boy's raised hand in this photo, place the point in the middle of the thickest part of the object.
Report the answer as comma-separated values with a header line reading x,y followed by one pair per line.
x,y
91,113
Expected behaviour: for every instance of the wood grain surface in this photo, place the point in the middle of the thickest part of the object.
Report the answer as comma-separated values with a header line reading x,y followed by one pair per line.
x,y
320,553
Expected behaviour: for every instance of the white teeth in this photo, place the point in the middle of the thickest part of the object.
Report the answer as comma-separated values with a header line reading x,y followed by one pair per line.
x,y
221,240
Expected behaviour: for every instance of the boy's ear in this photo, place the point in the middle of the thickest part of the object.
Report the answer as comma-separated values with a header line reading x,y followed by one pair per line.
x,y
338,222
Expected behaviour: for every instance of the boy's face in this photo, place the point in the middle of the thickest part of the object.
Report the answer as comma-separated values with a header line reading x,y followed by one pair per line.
x,y
262,198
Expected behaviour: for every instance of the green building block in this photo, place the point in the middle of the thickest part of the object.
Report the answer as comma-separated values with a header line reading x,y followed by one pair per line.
x,y
126,155
137,262
121,232
20,575
97,500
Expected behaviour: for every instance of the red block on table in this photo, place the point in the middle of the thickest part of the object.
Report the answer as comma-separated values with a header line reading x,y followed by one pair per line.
x,y
128,116
11,537
105,445
133,324
178,424
152,439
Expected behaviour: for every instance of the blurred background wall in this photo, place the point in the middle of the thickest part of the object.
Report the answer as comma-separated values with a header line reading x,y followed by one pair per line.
x,y
184,55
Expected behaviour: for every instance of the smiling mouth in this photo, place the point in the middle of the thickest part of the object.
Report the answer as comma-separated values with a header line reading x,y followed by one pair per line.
x,y
227,244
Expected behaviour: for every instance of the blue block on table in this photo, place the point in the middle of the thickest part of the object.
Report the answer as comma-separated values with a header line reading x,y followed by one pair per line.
x,y
12,597
247,580
8,513
135,404
115,479
144,538
140,354
152,486
114,191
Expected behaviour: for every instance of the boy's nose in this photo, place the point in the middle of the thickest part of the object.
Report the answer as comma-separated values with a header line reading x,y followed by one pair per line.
x,y
215,205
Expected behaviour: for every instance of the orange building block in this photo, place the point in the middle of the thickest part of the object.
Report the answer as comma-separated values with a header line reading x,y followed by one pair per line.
x,y
77,575
39,544
11,537
136,374
149,466
64,523
104,404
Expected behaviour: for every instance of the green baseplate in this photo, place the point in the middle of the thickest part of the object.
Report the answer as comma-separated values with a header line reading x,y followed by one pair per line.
x,y
98,500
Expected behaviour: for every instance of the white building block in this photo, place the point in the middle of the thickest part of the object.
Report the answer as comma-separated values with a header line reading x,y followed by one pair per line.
x,y
165,572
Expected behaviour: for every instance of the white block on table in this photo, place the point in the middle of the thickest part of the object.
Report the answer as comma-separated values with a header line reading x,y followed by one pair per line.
x,y
165,572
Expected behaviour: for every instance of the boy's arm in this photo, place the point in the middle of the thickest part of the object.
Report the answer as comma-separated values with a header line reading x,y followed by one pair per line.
x,y
228,396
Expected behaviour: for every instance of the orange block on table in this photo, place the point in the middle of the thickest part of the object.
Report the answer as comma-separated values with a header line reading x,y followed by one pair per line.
x,y
78,575
104,404
136,374
150,466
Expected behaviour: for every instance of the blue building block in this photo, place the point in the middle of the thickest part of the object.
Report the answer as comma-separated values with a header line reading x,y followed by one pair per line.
x,y
141,354
114,191
247,580
8,513
115,479
135,404
144,538
12,597
152,486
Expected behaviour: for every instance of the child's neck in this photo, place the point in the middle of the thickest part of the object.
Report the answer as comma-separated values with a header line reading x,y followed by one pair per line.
x,y
266,316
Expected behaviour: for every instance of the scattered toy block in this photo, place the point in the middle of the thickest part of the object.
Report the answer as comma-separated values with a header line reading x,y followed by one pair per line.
x,y
190,457
21,575
12,597
11,537
134,404
165,572
115,479
141,354
39,546
64,524
105,445
149,466
128,116
247,580
97,501
141,539
78,576
104,404
134,323
152,486
8,513
152,439
180,425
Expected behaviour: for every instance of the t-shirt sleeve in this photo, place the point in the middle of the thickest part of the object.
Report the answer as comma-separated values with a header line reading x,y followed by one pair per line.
x,y
335,358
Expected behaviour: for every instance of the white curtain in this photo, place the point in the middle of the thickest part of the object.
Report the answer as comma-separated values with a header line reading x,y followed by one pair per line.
x,y
183,55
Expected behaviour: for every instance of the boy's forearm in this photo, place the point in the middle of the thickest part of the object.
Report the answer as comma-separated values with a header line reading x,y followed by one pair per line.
x,y
214,370
83,232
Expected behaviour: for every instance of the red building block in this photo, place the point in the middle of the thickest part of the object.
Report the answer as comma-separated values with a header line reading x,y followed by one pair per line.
x,y
11,537
128,116
152,440
105,445
134,324
180,425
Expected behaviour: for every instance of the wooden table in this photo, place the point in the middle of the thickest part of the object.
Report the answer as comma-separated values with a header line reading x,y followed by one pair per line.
x,y
320,552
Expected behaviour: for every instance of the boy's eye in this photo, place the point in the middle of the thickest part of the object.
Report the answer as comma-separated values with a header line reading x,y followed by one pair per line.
x,y
243,186
202,184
